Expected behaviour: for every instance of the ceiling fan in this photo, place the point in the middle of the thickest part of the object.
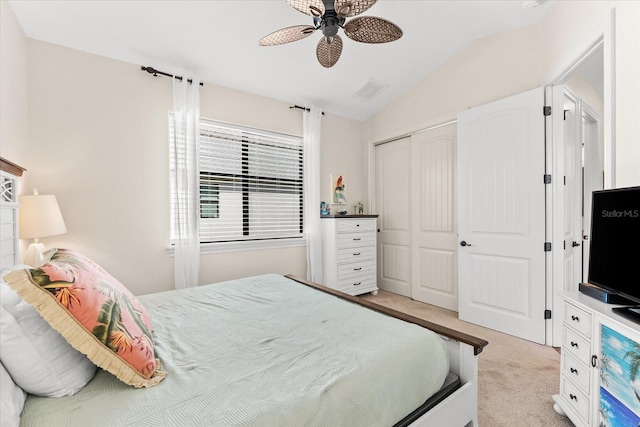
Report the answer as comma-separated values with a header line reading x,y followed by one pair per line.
x,y
329,16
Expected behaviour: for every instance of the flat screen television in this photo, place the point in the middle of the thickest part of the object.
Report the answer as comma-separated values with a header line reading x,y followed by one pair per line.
x,y
614,252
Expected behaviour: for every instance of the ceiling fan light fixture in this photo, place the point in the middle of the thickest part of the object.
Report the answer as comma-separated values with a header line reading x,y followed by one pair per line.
x,y
328,17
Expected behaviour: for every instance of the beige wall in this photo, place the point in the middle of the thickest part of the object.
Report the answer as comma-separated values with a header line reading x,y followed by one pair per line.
x,y
501,65
490,68
582,88
343,153
13,88
99,142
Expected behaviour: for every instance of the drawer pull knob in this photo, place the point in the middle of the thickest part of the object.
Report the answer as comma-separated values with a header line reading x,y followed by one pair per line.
x,y
575,318
356,239
356,254
357,269
357,225
574,371
574,344
357,284
573,397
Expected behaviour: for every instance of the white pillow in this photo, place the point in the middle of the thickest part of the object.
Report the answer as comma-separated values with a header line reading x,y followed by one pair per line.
x,y
36,356
11,400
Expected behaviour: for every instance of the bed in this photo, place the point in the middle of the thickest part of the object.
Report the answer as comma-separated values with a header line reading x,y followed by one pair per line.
x,y
276,350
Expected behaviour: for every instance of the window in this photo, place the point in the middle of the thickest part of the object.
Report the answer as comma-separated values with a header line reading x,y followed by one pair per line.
x,y
251,184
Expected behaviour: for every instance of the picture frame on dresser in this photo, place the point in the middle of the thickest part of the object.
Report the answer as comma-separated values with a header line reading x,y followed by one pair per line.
x,y
349,253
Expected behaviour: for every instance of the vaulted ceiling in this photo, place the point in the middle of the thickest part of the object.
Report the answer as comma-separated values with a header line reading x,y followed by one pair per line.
x,y
217,41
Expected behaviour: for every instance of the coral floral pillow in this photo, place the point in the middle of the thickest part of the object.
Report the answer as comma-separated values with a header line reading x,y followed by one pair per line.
x,y
95,313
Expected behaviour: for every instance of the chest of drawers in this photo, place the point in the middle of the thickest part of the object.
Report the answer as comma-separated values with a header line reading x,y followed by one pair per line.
x,y
349,253
597,368
576,370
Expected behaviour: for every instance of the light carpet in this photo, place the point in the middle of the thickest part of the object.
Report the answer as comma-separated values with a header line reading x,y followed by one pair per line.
x,y
516,377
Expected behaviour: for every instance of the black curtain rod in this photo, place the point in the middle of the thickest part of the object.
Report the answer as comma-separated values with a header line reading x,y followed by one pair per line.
x,y
307,109
155,73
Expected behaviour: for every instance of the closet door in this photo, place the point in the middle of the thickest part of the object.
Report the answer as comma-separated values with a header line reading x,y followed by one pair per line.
x,y
434,231
393,204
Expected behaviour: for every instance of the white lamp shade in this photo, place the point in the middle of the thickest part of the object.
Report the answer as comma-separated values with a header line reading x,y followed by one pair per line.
x,y
40,216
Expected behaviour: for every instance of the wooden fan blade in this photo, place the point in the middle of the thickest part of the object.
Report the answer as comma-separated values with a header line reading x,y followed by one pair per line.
x,y
308,7
329,53
287,35
349,8
369,29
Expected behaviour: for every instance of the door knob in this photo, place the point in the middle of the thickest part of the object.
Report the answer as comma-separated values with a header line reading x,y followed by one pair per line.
x,y
463,243
575,244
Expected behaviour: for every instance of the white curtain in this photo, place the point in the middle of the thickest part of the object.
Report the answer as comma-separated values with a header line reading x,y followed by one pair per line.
x,y
186,128
311,126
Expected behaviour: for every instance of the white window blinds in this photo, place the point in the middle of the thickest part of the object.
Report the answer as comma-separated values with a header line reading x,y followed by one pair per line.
x,y
251,184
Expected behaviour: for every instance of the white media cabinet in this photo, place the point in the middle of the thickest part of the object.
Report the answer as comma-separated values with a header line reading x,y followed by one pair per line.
x,y
600,364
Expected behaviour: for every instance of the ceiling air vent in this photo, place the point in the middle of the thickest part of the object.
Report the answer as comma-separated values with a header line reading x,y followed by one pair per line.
x,y
370,89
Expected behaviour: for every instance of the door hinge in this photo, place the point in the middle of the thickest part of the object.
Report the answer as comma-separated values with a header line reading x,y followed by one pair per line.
x,y
546,110
547,246
547,179
547,314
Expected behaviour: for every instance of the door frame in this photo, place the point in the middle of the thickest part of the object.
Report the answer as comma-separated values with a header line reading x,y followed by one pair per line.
x,y
602,36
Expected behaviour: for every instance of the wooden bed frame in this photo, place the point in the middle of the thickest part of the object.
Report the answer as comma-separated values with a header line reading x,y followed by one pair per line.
x,y
459,408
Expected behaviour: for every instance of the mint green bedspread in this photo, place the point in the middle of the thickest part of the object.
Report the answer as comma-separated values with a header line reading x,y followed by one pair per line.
x,y
263,351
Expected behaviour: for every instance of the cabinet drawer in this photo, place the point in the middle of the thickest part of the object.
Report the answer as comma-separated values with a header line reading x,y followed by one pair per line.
x,y
356,226
578,319
349,255
577,346
356,240
357,269
576,371
356,285
575,399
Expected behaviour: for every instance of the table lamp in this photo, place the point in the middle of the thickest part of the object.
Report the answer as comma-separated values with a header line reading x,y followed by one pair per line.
x,y
39,216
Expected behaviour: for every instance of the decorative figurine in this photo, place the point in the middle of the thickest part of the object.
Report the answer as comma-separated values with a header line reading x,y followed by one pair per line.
x,y
360,207
325,209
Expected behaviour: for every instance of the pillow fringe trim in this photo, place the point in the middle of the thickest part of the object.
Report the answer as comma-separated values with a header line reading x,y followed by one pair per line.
x,y
76,334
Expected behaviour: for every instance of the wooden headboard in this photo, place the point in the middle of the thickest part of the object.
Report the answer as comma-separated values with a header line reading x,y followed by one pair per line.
x,y
9,172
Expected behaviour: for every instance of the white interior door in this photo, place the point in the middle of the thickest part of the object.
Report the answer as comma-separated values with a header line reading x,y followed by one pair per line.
x,y
434,230
393,204
501,215
572,185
